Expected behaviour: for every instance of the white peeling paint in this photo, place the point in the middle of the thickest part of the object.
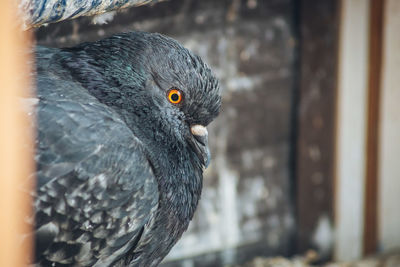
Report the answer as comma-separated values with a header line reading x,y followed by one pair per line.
x,y
323,236
228,179
254,191
104,18
244,83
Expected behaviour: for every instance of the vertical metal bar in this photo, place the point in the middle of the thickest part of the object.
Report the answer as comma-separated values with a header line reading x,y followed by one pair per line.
x,y
15,141
374,82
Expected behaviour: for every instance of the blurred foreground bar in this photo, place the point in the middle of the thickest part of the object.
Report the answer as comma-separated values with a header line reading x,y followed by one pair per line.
x,y
15,141
38,12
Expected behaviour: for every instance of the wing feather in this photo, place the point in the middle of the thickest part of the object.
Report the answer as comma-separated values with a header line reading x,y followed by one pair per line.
x,y
96,189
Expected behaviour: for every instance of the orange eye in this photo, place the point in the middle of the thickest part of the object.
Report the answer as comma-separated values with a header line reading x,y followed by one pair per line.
x,y
174,96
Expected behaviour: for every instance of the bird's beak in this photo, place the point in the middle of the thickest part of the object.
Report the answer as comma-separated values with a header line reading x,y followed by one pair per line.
x,y
200,133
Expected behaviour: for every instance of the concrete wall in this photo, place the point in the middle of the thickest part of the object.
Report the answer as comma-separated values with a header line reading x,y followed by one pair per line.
x,y
247,206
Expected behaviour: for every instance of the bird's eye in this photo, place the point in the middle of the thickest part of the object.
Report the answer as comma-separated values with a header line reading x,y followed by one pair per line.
x,y
175,96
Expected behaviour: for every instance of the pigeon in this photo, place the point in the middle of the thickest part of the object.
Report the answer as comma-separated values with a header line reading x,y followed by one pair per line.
x,y
121,147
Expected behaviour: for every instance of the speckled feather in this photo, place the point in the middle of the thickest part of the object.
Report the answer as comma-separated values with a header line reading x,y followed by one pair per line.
x,y
119,175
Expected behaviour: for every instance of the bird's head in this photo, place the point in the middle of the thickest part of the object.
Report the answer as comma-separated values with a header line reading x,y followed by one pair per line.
x,y
185,91
166,94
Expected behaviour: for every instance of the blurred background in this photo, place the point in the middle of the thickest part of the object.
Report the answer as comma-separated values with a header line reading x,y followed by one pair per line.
x,y
305,153
248,205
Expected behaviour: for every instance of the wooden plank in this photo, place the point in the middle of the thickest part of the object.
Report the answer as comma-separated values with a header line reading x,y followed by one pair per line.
x,y
389,149
15,141
374,82
316,119
351,129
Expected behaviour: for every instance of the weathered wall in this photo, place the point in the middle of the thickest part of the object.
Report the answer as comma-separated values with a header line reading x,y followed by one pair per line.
x,y
316,117
246,207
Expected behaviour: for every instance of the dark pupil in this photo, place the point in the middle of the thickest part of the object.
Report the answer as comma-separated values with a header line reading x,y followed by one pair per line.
x,y
175,97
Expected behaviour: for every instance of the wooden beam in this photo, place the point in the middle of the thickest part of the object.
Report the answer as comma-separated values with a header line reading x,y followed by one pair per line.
x,y
374,83
316,124
15,141
389,145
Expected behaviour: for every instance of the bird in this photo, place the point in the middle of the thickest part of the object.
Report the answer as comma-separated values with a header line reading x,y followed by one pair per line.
x,y
121,146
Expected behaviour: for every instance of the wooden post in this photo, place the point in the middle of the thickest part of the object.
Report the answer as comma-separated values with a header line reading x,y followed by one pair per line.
x,y
374,82
316,124
389,132
15,141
